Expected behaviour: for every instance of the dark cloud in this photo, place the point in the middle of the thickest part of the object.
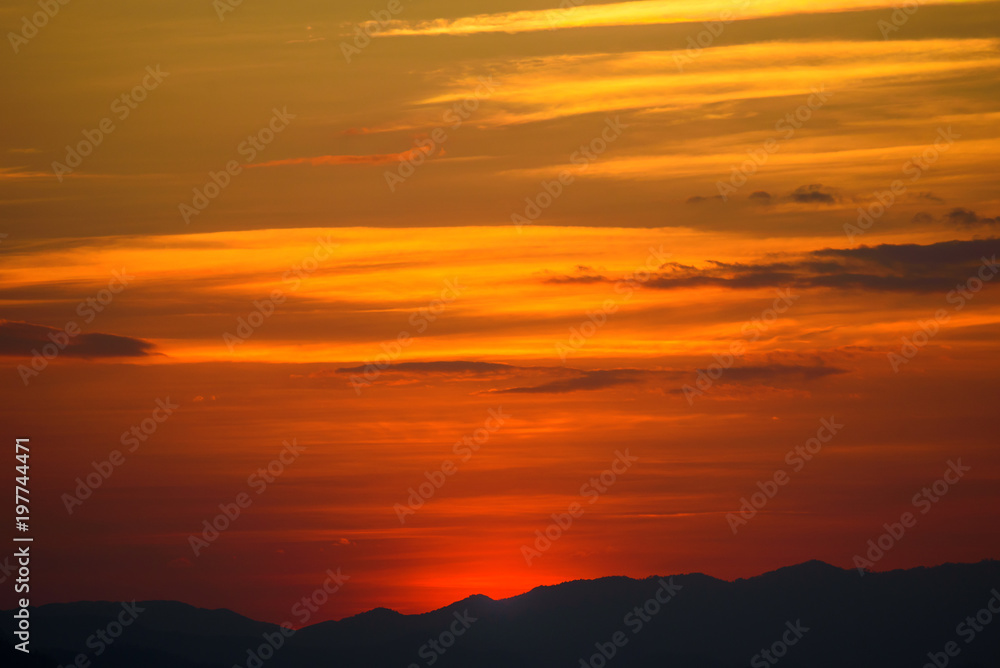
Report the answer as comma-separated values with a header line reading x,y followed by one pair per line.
x,y
965,218
882,268
943,254
585,278
582,274
21,339
698,199
447,367
813,194
747,280
923,218
769,372
563,380
590,380
849,281
677,267
604,378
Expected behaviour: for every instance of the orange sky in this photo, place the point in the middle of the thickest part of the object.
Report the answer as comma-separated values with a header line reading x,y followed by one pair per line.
x,y
556,215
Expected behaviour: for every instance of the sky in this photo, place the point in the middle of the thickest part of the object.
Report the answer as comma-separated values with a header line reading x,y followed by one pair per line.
x,y
691,287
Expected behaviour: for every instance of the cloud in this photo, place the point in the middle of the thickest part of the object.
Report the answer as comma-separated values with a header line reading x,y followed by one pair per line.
x,y
589,380
22,339
882,268
698,199
911,257
450,371
770,372
649,82
441,367
599,379
638,12
21,172
965,218
810,194
491,378
582,274
377,159
813,194
604,378
441,371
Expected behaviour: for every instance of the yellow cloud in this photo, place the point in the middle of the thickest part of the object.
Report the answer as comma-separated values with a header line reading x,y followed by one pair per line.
x,y
540,89
641,12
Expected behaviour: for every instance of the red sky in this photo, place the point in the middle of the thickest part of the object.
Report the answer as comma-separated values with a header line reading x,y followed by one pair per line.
x,y
370,217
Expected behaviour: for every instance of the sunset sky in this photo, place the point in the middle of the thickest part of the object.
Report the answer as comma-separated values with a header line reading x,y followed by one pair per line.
x,y
370,239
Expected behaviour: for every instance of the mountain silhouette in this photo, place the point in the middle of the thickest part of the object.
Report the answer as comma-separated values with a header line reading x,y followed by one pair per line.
x,y
812,614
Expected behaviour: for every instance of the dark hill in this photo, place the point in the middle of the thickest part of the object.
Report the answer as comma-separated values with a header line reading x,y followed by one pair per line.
x,y
880,620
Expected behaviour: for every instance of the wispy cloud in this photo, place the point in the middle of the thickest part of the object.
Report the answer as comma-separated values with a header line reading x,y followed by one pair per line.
x,y
539,89
641,12
378,159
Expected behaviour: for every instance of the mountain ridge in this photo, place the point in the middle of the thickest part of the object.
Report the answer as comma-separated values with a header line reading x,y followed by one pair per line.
x,y
880,619
793,568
